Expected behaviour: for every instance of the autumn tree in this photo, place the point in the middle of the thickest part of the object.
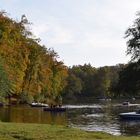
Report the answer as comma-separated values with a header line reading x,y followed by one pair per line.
x,y
4,83
33,70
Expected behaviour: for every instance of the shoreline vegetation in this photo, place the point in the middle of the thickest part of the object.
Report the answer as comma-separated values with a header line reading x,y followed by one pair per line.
x,y
31,72
26,131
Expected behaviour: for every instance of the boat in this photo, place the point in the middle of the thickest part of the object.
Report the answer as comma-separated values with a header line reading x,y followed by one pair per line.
x,y
130,115
126,103
1,104
38,105
55,109
129,104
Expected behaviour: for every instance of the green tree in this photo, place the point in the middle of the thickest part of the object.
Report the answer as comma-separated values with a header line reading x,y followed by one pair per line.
x,y
129,79
102,82
133,43
73,87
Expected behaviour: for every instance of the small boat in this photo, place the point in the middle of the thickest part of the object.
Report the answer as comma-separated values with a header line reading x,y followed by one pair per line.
x,y
38,105
129,104
126,103
1,104
55,109
130,115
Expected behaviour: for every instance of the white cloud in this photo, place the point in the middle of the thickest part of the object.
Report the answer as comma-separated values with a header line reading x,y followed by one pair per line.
x,y
53,33
82,31
40,29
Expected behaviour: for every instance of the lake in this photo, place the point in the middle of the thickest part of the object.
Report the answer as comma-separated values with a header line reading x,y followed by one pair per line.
x,y
101,116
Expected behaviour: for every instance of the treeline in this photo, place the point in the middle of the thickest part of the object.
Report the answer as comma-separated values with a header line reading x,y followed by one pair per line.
x,y
129,81
121,81
85,83
31,72
28,71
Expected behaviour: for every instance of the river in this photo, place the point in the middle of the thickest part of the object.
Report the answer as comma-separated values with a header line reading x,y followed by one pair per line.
x,y
102,116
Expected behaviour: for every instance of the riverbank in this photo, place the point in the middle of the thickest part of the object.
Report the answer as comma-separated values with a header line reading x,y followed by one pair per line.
x,y
21,131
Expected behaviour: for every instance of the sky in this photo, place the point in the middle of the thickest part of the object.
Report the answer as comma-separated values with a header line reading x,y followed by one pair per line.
x,y
80,31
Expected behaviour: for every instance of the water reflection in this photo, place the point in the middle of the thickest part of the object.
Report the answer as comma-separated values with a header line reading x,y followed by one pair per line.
x,y
99,117
104,118
130,127
31,115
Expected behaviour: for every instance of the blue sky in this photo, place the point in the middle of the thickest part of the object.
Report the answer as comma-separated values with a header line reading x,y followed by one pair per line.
x,y
81,31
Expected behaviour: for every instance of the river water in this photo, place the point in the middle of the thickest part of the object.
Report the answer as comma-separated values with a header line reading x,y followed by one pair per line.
x,y
103,116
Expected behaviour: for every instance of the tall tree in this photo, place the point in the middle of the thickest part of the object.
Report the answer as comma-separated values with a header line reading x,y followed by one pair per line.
x,y
129,79
4,82
133,43
32,68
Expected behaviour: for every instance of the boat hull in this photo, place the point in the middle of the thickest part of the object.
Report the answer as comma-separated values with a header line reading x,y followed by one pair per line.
x,y
130,116
38,105
57,109
1,104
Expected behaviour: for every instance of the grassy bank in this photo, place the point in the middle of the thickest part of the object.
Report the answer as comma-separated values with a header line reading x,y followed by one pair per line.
x,y
20,131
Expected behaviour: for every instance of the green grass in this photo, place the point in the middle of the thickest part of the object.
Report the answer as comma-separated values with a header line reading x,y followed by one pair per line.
x,y
20,131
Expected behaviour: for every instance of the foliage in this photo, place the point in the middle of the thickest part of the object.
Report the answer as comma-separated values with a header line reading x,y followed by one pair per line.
x,y
101,82
73,87
30,67
133,43
4,83
25,98
129,79
90,82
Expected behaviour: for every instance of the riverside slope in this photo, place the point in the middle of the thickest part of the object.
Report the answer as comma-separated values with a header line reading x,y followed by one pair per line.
x,y
21,131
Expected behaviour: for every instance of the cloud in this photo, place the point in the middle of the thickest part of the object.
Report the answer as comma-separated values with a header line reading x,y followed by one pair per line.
x,y
53,33
81,31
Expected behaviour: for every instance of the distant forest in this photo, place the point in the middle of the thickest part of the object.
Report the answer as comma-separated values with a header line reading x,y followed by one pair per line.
x,y
31,72
87,82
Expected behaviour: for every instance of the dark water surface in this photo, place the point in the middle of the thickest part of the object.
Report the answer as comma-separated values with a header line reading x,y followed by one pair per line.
x,y
100,117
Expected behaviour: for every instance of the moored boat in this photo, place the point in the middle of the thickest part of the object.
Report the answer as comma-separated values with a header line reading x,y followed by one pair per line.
x,y
130,115
129,104
1,104
55,109
38,105
126,103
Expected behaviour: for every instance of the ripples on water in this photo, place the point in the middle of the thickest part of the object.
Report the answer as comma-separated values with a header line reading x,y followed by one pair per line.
x,y
99,117
82,106
93,117
104,118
